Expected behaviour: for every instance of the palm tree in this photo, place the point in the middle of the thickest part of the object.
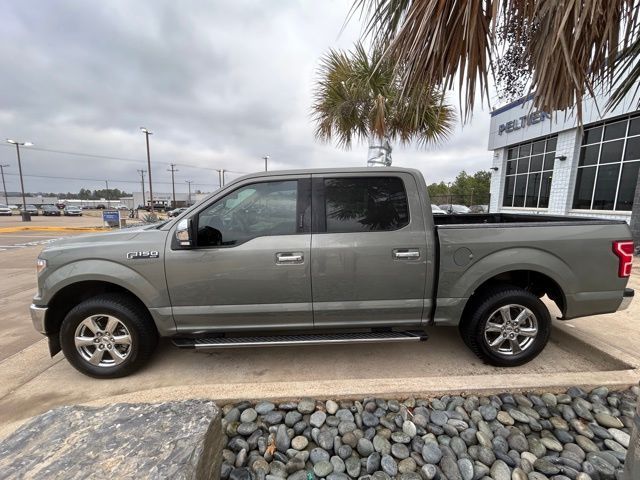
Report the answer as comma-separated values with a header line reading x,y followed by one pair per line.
x,y
566,48
358,98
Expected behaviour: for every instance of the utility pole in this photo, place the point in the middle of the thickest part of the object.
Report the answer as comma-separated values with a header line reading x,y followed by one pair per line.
x,y
189,182
146,134
106,182
142,172
266,161
222,178
4,185
173,183
25,215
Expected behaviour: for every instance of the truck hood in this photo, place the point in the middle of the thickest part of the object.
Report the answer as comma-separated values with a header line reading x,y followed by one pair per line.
x,y
132,236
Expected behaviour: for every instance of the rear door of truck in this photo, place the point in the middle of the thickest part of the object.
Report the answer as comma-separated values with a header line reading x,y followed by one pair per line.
x,y
368,250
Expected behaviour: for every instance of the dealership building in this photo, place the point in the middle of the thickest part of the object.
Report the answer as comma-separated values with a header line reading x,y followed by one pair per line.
x,y
546,163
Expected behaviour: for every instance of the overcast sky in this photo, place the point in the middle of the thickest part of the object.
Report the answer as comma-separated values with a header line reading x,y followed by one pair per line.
x,y
219,83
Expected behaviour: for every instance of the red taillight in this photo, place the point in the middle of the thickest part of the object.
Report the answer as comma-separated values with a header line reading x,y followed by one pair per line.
x,y
624,250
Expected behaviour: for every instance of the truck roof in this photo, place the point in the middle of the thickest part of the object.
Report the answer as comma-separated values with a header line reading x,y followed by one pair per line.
x,y
304,171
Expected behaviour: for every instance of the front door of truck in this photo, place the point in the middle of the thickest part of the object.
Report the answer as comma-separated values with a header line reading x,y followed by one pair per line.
x,y
248,266
369,250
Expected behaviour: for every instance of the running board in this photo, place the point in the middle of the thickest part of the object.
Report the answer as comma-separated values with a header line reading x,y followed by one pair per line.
x,y
303,339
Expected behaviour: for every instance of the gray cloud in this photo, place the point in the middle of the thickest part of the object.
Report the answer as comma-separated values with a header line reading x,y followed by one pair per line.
x,y
219,83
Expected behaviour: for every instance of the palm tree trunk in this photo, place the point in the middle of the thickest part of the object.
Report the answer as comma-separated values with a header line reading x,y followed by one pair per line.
x,y
379,153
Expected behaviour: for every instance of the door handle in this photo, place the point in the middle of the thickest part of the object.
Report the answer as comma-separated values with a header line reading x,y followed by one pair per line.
x,y
406,253
286,258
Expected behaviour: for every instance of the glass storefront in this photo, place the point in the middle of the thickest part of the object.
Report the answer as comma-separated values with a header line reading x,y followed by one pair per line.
x,y
608,165
528,173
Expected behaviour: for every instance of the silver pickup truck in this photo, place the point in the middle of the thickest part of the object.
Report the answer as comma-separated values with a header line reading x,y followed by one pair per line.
x,y
325,256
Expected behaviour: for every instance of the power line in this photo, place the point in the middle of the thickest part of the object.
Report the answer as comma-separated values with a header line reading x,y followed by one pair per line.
x,y
101,179
121,159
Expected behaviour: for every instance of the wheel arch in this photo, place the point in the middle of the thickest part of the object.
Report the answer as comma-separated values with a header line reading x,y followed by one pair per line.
x,y
531,280
75,293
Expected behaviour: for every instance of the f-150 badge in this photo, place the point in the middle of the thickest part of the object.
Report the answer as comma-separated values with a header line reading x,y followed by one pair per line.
x,y
146,254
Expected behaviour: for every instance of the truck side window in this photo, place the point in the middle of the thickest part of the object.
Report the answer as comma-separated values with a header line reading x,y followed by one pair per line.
x,y
365,204
256,210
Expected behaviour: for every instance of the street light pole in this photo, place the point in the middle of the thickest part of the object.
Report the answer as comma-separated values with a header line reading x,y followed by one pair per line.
x,y
142,172
189,182
4,185
222,177
173,183
25,215
146,134
266,160
106,182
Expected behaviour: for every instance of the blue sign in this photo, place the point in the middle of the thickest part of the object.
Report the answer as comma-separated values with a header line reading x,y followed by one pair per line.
x,y
112,217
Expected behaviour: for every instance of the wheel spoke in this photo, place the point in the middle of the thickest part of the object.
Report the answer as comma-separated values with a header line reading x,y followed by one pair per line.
x,y
528,332
122,339
497,342
116,356
96,357
522,316
112,323
515,346
84,341
506,313
92,325
493,327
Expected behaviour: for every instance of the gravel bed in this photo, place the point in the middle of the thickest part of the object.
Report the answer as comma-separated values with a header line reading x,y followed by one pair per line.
x,y
576,435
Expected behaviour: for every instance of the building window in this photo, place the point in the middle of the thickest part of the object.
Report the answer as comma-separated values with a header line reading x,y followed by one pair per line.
x,y
608,165
528,173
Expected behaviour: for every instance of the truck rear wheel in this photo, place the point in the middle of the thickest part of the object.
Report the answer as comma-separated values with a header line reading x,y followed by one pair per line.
x,y
108,336
507,327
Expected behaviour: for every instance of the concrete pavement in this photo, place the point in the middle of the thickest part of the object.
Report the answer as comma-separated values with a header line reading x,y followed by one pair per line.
x,y
593,351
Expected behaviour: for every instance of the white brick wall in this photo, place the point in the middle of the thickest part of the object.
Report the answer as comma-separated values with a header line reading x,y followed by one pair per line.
x,y
563,177
497,179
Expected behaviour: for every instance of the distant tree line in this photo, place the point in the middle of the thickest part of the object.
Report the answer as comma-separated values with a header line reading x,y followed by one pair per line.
x,y
465,189
87,194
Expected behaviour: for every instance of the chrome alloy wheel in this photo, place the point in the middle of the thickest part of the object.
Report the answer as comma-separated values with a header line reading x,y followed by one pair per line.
x,y
103,340
511,330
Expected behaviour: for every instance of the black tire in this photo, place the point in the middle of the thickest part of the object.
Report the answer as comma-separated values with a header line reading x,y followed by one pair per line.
x,y
472,328
134,317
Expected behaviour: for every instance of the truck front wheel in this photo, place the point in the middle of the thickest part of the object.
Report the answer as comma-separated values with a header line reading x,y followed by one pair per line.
x,y
108,336
507,327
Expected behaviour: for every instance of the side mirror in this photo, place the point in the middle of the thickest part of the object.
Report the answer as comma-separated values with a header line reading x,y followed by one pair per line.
x,y
183,233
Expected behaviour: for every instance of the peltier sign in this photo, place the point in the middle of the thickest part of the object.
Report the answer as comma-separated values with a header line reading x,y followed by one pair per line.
x,y
524,121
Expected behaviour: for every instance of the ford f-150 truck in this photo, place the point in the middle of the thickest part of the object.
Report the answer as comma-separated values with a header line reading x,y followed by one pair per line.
x,y
325,256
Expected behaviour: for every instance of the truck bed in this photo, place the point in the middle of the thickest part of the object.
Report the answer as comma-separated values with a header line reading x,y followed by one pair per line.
x,y
573,253
476,219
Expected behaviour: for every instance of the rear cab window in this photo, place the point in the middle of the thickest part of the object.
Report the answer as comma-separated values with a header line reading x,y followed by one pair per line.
x,y
365,204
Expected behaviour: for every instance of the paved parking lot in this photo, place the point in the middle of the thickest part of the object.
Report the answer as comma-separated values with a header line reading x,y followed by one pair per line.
x,y
582,351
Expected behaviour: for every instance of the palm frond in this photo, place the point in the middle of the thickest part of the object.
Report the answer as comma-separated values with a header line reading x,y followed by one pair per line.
x,y
574,45
358,98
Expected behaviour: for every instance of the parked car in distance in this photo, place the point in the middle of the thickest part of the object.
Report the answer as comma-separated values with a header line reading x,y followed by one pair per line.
x,y
455,209
31,210
72,211
60,205
120,206
86,207
50,210
100,206
479,209
5,210
436,210
325,256
176,211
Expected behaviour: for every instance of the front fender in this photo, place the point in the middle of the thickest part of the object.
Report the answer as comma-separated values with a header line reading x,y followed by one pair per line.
x,y
153,295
